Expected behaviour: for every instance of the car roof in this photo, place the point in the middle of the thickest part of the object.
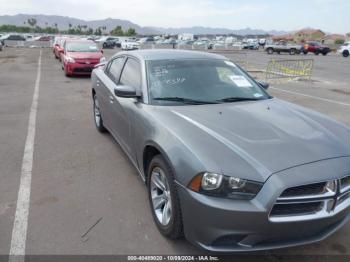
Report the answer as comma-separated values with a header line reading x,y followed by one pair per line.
x,y
165,54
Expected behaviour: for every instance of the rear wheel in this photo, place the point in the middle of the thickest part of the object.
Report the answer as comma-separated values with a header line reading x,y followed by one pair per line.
x,y
163,197
305,52
269,51
317,52
346,53
292,51
97,116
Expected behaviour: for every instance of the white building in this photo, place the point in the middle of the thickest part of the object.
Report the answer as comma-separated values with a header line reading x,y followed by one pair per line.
x,y
185,37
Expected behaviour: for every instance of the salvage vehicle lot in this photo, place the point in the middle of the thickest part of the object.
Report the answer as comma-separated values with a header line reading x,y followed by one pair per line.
x,y
81,178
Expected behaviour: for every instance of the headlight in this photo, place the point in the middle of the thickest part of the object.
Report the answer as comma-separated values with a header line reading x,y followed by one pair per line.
x,y
102,59
217,185
69,59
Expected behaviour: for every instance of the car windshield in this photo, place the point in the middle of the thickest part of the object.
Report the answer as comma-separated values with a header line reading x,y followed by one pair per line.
x,y
200,81
82,47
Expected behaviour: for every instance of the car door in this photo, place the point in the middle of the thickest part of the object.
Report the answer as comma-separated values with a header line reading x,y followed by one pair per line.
x,y
122,107
279,47
107,83
312,47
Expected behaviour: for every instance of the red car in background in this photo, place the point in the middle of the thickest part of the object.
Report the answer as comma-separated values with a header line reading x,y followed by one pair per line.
x,y
58,47
79,57
316,48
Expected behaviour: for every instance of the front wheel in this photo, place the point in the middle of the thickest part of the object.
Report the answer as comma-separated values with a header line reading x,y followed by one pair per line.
x,y
163,198
292,52
269,51
97,116
346,53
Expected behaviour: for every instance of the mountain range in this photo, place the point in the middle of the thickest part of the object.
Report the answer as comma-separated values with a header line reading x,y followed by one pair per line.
x,y
63,22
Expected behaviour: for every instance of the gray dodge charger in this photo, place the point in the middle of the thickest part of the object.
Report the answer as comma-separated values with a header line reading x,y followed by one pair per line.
x,y
226,165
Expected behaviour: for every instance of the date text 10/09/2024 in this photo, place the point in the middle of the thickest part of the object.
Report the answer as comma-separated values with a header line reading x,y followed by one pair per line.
x,y
173,258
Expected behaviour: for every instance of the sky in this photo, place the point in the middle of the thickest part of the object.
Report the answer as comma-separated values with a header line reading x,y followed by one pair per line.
x,y
288,15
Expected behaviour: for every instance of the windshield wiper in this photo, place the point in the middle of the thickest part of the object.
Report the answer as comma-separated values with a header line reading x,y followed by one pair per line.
x,y
238,99
185,100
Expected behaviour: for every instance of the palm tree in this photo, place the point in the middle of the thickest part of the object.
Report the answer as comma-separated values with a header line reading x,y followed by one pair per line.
x,y
32,22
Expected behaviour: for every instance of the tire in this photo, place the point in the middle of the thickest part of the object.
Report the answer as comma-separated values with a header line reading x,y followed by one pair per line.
x,y
65,72
160,182
292,51
305,52
270,51
97,116
104,45
317,52
324,53
346,53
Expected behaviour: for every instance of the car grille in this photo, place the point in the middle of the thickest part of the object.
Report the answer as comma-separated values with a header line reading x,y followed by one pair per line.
x,y
83,70
313,189
296,209
316,200
87,61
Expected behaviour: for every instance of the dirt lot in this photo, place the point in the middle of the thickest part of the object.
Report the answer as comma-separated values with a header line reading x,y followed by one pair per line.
x,y
81,177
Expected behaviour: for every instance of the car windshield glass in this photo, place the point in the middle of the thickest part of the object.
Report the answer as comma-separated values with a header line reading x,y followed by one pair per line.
x,y
82,47
200,81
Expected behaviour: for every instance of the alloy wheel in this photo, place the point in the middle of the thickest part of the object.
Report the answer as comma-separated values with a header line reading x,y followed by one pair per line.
x,y
97,112
161,197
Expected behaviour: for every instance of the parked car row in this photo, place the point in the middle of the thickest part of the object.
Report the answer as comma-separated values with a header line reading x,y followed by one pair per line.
x,y
293,49
24,37
77,56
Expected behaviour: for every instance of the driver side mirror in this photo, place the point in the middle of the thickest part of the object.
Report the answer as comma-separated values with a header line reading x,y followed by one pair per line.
x,y
264,85
126,91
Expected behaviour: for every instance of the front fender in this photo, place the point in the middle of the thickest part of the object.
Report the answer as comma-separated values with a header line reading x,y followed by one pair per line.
x,y
148,131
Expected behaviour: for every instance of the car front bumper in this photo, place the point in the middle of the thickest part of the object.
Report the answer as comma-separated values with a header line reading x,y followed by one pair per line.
x,y
79,69
225,225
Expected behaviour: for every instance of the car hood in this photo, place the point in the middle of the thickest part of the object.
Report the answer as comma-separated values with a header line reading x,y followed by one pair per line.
x,y
85,55
269,135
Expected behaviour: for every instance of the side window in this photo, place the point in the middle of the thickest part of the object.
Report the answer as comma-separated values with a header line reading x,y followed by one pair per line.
x,y
115,69
131,75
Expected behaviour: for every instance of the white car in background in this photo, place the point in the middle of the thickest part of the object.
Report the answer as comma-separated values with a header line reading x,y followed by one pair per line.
x,y
130,44
344,50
